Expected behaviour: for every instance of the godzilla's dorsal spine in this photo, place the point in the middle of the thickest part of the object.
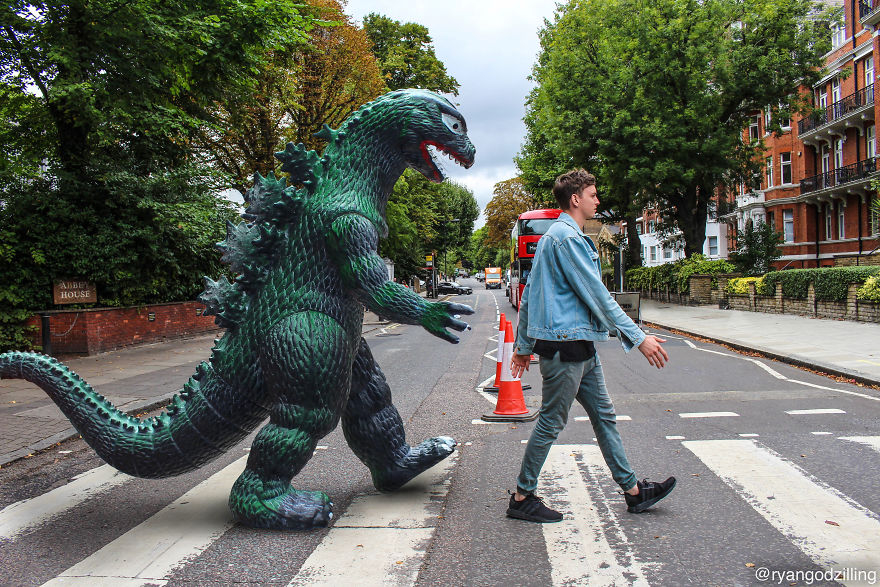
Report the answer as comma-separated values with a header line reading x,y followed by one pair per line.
x,y
203,422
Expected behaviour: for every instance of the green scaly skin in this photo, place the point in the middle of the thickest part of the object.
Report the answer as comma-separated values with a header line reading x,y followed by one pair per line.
x,y
306,263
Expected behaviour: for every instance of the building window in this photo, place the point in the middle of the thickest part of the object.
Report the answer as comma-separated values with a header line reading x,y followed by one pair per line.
x,y
870,142
771,220
768,116
651,226
653,253
785,123
838,153
838,35
639,228
769,171
785,167
822,98
841,232
869,71
713,246
828,236
826,160
788,225
667,253
753,129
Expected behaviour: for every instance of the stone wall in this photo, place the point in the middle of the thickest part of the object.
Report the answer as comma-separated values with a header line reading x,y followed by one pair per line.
x,y
851,309
90,331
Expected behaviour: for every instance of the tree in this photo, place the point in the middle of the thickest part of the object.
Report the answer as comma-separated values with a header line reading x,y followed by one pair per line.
x,y
757,246
406,55
510,199
653,98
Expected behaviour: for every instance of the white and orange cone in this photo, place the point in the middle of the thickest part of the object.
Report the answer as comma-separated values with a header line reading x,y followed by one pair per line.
x,y
511,405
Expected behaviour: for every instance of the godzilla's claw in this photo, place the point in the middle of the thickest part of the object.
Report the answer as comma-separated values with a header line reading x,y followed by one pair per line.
x,y
291,510
441,315
419,458
460,309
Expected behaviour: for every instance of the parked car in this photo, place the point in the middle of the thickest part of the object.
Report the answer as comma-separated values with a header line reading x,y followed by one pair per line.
x,y
480,276
451,287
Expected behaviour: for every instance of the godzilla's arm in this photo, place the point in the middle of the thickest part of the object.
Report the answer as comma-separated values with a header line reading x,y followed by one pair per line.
x,y
353,244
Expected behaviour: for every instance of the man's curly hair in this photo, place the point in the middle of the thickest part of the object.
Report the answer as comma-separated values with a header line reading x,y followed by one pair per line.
x,y
571,183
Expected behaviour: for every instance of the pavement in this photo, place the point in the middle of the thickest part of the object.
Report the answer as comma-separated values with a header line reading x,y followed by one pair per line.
x,y
142,378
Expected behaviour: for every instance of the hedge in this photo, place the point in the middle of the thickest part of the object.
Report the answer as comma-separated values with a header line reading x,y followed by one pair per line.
x,y
740,285
830,283
676,275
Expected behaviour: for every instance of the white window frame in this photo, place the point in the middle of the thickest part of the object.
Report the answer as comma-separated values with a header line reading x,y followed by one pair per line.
x,y
788,225
841,221
838,35
785,166
870,142
768,172
835,90
838,153
768,118
826,159
755,128
785,124
653,253
651,226
869,70
713,244
828,235
667,253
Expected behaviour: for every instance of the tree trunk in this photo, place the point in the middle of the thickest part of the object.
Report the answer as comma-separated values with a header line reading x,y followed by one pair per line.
x,y
634,250
692,217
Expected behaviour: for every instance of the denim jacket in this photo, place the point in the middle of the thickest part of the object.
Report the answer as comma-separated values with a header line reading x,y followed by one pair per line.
x,y
565,299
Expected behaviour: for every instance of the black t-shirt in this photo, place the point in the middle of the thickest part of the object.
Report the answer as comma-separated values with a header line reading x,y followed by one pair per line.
x,y
570,351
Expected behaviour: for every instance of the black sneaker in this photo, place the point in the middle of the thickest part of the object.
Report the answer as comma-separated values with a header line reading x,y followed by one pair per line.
x,y
532,508
649,494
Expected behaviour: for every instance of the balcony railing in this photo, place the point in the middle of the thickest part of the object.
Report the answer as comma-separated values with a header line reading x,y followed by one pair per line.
x,y
840,176
839,109
866,7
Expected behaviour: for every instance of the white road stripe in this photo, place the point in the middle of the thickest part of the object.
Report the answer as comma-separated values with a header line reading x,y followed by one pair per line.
x,y
821,433
150,551
708,415
872,441
811,412
587,419
749,435
675,438
29,513
579,550
816,386
796,503
382,538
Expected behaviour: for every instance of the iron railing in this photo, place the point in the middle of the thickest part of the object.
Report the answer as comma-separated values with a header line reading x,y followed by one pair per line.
x,y
839,176
841,108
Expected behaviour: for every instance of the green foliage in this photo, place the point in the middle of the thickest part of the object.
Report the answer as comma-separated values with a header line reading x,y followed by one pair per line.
x,y
740,285
757,248
829,283
406,55
675,275
653,97
871,290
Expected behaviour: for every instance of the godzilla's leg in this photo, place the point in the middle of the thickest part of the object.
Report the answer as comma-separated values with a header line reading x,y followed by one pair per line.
x,y
306,364
374,430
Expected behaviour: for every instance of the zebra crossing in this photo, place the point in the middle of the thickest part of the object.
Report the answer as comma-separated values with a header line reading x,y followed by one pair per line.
x,y
384,539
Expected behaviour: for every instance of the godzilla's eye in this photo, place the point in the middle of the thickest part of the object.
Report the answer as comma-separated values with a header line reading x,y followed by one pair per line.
x,y
454,124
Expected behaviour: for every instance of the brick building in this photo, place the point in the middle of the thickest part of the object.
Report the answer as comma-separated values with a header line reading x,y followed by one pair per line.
x,y
815,187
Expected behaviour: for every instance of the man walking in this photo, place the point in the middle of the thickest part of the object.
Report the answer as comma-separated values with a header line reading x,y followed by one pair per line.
x,y
565,308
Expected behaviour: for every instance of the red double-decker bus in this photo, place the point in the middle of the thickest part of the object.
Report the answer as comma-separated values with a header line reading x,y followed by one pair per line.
x,y
527,231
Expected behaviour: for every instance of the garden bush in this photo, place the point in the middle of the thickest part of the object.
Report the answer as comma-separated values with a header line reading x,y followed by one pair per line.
x,y
871,290
740,285
676,275
830,283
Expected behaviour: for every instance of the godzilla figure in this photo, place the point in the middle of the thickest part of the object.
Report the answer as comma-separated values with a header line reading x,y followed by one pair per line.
x,y
306,264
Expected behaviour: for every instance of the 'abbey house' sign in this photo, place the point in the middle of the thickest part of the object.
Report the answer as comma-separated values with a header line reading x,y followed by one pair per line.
x,y
72,291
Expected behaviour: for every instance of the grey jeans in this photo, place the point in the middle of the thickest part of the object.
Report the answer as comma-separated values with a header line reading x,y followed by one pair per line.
x,y
563,383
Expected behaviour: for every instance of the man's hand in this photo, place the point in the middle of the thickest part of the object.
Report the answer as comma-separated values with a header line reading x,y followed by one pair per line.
x,y
518,364
652,350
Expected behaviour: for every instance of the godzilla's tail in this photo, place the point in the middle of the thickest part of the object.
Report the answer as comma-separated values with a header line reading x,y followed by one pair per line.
x,y
202,423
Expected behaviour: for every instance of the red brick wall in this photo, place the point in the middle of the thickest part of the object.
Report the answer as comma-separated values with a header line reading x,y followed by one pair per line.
x,y
105,329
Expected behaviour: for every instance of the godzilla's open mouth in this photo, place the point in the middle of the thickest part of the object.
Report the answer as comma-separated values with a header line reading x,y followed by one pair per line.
x,y
431,151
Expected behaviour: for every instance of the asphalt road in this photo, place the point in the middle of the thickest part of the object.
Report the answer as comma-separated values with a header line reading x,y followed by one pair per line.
x,y
765,482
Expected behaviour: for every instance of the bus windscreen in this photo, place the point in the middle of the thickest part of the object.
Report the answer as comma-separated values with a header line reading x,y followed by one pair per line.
x,y
535,225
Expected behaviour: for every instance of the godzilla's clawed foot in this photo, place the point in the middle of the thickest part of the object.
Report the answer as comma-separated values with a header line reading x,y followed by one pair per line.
x,y
419,458
293,510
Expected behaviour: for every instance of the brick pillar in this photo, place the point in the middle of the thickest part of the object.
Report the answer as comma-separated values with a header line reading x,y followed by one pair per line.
x,y
811,299
780,305
752,294
852,302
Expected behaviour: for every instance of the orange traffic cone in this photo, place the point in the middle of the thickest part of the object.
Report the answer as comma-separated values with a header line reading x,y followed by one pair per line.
x,y
511,405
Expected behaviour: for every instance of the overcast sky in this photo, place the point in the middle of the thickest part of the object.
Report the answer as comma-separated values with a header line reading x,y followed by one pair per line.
x,y
489,46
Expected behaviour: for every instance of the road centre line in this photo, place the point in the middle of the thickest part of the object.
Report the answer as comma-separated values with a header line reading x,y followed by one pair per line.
x,y
797,504
578,547
708,415
153,549
816,411
22,515
382,538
